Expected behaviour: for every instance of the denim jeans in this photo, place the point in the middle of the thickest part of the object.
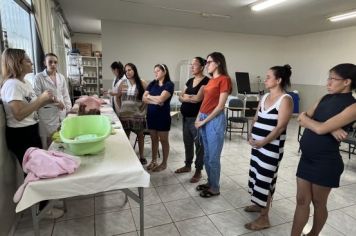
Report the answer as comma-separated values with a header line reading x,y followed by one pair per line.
x,y
212,134
190,138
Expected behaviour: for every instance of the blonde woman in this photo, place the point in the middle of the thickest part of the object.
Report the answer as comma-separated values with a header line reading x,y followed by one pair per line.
x,y
20,102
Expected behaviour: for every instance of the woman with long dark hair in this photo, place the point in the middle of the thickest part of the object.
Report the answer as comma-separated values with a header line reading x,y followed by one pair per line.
x,y
158,96
131,109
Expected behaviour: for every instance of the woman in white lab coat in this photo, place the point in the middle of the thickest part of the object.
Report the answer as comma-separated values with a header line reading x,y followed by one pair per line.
x,y
51,115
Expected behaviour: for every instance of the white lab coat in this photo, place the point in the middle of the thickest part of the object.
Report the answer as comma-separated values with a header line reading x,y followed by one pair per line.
x,y
50,116
115,89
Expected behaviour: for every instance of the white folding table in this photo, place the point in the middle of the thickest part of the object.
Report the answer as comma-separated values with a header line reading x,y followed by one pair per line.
x,y
115,168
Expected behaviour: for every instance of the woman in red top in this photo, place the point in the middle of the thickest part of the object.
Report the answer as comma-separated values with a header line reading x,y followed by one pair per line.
x,y
211,121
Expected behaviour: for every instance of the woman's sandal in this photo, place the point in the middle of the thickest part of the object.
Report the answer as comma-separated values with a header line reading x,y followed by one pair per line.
x,y
256,227
152,165
252,208
207,194
143,161
159,168
196,177
183,170
202,187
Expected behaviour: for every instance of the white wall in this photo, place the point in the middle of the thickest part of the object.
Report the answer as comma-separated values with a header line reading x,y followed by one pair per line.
x,y
147,45
312,55
94,39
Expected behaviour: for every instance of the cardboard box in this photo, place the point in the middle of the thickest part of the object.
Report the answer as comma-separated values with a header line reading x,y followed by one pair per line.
x,y
85,49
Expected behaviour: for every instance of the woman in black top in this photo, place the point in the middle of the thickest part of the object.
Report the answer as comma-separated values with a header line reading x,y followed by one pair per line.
x,y
321,165
191,99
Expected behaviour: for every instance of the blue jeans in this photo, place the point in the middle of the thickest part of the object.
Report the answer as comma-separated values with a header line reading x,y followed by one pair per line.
x,y
212,135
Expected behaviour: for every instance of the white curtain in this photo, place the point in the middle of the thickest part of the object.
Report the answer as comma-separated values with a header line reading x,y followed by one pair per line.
x,y
52,31
43,18
59,41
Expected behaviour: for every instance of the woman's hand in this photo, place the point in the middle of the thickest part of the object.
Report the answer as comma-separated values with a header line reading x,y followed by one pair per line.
x,y
302,119
339,134
112,94
199,124
47,97
59,105
256,144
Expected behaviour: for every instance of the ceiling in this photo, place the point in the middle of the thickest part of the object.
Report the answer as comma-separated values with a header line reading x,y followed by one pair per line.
x,y
293,17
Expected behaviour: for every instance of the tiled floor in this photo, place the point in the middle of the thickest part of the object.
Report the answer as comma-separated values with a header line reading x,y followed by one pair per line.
x,y
174,208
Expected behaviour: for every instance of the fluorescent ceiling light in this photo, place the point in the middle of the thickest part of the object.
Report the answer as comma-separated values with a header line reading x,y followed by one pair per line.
x,y
344,16
265,4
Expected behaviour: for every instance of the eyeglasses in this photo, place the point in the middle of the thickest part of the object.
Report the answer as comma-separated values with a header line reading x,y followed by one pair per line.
x,y
333,79
52,62
208,62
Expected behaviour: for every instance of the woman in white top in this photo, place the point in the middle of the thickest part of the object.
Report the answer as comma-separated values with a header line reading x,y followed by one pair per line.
x,y
51,115
20,102
118,70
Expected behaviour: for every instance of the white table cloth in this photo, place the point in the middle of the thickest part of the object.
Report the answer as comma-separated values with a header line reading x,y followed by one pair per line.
x,y
116,167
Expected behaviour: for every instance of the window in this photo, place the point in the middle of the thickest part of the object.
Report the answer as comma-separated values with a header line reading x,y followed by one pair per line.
x,y
17,26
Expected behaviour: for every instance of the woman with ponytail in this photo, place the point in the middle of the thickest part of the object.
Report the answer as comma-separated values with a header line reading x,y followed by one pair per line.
x,y
267,139
191,98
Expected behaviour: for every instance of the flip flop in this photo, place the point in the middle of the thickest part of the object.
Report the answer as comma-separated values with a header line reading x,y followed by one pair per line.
x,y
195,179
159,168
208,194
255,227
252,208
152,165
184,169
202,187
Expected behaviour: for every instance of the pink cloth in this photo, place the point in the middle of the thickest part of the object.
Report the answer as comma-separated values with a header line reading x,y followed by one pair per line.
x,y
42,164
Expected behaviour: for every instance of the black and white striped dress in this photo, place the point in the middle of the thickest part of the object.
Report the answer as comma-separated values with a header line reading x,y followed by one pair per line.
x,y
265,160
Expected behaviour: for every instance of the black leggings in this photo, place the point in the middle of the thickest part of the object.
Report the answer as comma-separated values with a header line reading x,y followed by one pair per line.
x,y
19,139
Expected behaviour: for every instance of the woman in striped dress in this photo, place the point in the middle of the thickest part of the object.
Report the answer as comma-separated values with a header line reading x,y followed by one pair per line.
x,y
267,140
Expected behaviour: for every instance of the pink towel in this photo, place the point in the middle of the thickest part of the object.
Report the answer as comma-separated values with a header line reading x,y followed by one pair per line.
x,y
42,164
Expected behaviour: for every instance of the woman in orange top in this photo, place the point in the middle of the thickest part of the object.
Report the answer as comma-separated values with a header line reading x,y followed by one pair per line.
x,y
211,121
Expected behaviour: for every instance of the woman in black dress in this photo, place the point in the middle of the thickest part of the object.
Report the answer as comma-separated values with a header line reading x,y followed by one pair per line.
x,y
158,96
321,165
